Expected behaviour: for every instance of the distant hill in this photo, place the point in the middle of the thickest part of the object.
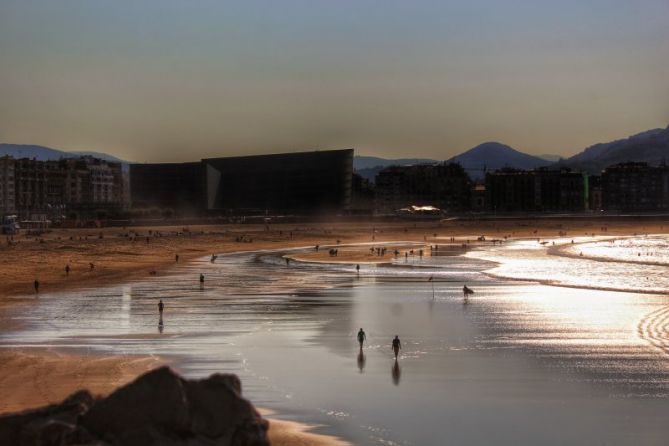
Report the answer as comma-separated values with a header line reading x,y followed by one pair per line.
x,y
29,151
48,154
365,162
369,166
491,156
651,146
551,158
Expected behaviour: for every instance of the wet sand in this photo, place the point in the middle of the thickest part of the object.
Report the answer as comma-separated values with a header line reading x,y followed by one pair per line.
x,y
123,254
120,260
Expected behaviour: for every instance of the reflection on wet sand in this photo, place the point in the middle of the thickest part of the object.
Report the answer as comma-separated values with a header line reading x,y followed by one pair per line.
x,y
528,343
396,373
361,361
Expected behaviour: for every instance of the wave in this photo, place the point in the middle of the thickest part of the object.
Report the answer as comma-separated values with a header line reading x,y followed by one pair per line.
x,y
558,283
561,251
654,329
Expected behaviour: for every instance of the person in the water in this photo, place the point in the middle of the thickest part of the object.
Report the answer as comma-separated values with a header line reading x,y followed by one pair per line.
x,y
362,337
397,346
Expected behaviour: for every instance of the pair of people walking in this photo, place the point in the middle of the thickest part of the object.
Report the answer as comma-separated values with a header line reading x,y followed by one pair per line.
x,y
396,344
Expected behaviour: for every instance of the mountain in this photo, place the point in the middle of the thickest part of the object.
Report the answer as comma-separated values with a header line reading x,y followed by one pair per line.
x,y
99,155
365,162
369,166
30,151
605,149
551,157
651,146
48,154
491,156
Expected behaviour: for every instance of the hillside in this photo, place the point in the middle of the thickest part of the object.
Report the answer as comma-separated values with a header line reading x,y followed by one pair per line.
x,y
48,154
651,147
369,166
491,156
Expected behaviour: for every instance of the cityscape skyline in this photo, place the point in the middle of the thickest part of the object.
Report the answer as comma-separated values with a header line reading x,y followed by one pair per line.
x,y
163,81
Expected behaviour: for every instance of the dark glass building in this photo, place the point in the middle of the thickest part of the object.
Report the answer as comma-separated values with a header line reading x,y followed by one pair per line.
x,y
303,183
177,186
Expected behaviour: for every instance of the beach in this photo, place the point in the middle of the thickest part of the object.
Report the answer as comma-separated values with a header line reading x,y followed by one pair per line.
x,y
120,261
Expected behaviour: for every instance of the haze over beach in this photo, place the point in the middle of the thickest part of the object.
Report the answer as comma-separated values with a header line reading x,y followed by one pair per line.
x,y
334,223
156,81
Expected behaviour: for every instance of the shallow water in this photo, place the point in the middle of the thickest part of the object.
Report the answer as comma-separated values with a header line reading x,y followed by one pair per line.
x,y
518,363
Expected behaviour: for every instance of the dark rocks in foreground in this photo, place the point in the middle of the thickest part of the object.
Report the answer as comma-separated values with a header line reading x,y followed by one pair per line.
x,y
158,408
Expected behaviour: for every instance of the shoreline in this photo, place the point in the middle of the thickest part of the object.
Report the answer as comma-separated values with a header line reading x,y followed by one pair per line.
x,y
60,370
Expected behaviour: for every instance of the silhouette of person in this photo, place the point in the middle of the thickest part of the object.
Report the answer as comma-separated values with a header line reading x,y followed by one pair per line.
x,y
362,337
36,285
201,279
67,270
397,346
396,372
176,258
361,361
357,268
161,306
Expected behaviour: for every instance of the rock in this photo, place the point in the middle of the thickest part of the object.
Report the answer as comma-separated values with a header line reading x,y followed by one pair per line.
x,y
158,408
26,428
156,399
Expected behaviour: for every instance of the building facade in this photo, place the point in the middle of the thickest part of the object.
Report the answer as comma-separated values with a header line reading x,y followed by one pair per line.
x,y
174,186
445,186
635,187
7,185
53,188
303,183
541,190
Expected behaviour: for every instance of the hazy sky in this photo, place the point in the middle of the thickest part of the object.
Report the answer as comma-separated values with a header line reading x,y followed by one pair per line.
x,y
167,80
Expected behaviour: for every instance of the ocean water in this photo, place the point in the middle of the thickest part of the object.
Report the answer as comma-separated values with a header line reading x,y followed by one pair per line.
x,y
552,348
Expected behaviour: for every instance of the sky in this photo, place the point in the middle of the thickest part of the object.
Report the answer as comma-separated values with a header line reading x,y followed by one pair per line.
x,y
167,80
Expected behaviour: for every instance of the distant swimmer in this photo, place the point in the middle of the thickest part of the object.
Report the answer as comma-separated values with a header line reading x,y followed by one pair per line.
x,y
161,307
397,346
362,337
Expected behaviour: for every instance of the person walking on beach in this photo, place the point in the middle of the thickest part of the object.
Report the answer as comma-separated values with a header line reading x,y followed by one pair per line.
x,y
357,270
161,307
397,346
362,337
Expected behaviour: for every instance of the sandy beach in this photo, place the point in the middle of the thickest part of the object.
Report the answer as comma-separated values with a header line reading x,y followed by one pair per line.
x,y
37,377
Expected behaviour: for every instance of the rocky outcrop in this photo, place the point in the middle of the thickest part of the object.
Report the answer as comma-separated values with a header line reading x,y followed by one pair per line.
x,y
159,408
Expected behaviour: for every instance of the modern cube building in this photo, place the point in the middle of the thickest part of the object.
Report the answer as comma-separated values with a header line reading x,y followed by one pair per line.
x,y
303,183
